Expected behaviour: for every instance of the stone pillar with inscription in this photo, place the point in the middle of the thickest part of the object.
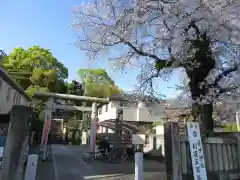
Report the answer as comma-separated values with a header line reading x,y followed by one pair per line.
x,y
16,143
172,151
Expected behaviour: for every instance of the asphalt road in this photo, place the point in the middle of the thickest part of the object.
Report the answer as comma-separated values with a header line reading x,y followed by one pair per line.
x,y
153,170
68,163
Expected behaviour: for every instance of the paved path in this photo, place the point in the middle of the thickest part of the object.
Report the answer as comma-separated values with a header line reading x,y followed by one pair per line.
x,y
45,170
153,170
68,163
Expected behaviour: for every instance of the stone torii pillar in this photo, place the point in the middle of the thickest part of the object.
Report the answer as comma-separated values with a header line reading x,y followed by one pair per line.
x,y
46,127
93,128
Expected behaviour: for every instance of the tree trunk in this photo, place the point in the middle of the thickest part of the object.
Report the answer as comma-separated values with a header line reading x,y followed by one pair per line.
x,y
197,74
203,115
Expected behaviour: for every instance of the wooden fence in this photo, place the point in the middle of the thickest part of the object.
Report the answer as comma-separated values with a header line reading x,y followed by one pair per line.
x,y
221,153
222,157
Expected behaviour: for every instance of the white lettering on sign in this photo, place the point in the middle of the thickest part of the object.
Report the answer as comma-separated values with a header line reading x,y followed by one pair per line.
x,y
195,143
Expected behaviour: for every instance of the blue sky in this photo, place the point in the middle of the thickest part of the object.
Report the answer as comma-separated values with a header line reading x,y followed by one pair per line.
x,y
47,23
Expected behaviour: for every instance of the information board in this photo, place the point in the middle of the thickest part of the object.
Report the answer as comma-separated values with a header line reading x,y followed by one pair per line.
x,y
195,143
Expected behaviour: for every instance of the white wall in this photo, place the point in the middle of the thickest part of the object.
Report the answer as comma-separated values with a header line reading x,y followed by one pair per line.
x,y
111,113
141,113
129,114
9,97
160,130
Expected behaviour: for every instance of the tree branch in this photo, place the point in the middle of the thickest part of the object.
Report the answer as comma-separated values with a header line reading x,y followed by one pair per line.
x,y
143,53
139,52
225,90
224,74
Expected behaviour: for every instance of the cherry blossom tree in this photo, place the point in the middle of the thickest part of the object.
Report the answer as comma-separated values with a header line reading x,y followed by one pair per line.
x,y
222,114
158,37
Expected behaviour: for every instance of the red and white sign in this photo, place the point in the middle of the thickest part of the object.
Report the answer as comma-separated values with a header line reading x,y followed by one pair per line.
x,y
46,130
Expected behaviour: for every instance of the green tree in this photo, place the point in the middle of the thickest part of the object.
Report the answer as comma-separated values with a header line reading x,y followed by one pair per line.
x,y
36,69
2,56
98,83
75,88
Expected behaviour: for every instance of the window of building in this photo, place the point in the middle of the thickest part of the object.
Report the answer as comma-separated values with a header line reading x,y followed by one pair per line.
x,y
106,108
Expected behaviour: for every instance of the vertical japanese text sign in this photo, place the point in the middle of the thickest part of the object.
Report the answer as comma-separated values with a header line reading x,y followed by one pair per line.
x,y
195,143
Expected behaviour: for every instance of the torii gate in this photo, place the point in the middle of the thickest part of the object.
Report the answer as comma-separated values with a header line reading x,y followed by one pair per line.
x,y
51,106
